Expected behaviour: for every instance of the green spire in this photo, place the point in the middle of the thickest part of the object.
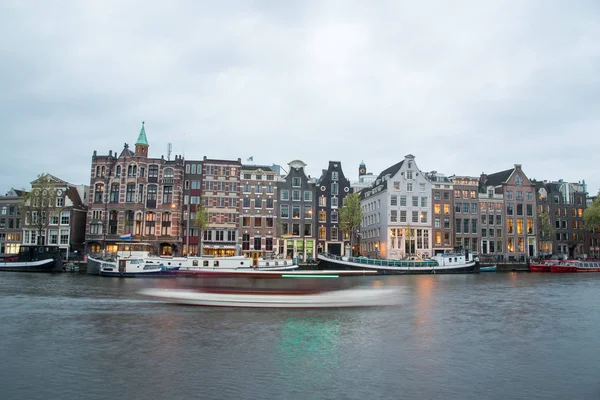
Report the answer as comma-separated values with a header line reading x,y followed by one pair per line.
x,y
142,138
361,163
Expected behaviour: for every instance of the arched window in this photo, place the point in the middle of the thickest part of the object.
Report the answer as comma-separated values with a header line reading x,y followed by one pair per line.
x,y
103,171
131,170
99,193
168,173
97,170
118,173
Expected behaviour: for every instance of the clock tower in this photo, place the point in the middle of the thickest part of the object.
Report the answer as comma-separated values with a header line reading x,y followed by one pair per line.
x,y
362,169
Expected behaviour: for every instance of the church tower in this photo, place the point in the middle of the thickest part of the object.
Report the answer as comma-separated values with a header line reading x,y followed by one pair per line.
x,y
141,145
362,169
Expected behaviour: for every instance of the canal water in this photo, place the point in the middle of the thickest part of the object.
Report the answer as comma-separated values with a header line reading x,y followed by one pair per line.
x,y
485,336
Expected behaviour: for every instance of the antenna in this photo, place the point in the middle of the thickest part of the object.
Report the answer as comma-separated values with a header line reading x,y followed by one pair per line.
x,y
169,149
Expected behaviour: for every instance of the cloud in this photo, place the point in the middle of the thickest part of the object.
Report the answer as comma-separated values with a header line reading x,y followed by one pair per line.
x,y
466,87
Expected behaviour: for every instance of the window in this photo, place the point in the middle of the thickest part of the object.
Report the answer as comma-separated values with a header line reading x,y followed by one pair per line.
x,y
269,204
394,216
334,234
394,200
509,195
446,195
466,208
458,225
322,233
284,212
322,216
130,193
409,187
519,209
423,201
64,236
322,201
257,188
396,185
446,208
59,202
257,222
437,208
308,212
167,194
245,189
519,196
295,195
474,225
409,174
422,187
296,211
257,203
403,201
246,202
307,229
457,194
307,195
269,190
296,229
285,195
296,182
510,209
446,223
423,217
436,196
334,202
415,216
437,222
466,225
415,201
334,175
153,171
518,180
245,221
530,209
99,193
334,188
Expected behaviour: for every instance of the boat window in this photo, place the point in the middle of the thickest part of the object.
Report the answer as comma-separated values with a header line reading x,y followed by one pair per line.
x,y
195,263
276,263
215,263
205,263
267,264
241,263
134,261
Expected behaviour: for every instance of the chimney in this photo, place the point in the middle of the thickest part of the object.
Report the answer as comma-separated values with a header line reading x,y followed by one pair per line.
x,y
518,166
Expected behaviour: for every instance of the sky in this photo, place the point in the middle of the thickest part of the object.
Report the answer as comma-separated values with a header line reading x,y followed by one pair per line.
x,y
466,86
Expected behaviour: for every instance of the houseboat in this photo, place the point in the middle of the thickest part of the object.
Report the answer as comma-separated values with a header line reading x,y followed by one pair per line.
x,y
447,263
33,259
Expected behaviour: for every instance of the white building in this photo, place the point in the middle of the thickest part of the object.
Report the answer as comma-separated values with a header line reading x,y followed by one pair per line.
x,y
397,213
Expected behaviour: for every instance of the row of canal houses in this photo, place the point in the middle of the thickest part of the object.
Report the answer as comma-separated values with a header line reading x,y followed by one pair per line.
x,y
261,210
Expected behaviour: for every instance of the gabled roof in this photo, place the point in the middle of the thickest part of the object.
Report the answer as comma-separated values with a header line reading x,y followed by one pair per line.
x,y
391,170
142,137
49,177
498,178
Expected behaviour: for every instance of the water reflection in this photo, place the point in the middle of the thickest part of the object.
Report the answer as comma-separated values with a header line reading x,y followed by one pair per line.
x,y
308,350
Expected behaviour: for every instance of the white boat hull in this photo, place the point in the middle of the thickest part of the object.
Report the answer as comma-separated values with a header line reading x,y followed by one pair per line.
x,y
331,299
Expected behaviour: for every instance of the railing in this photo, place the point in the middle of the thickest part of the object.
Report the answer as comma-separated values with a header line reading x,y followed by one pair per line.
x,y
382,263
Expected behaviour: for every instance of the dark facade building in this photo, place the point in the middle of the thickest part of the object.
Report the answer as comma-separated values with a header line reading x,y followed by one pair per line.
x,y
564,203
11,227
510,195
221,197
258,211
296,213
469,225
132,193
442,204
192,194
331,190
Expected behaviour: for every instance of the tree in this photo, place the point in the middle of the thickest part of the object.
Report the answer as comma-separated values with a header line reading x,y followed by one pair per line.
x,y
40,206
201,221
591,216
545,228
351,216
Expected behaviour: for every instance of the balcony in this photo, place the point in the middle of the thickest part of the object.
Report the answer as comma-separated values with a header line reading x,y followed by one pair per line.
x,y
168,181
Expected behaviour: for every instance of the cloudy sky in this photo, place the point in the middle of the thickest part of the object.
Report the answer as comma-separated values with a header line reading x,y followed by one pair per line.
x,y
467,86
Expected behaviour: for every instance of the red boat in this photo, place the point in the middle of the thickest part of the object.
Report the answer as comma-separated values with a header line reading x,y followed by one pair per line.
x,y
542,265
576,266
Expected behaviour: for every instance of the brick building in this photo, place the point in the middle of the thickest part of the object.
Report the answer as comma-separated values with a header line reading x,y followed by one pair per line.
x,y
134,193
